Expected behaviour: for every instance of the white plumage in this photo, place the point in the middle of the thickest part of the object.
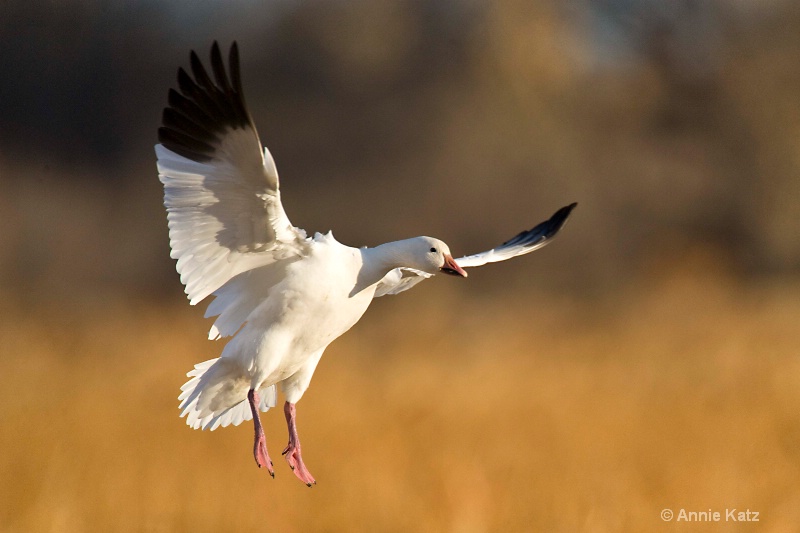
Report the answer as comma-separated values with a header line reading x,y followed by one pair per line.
x,y
280,296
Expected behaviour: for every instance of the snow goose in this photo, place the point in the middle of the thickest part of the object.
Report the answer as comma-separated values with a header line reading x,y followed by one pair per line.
x,y
281,296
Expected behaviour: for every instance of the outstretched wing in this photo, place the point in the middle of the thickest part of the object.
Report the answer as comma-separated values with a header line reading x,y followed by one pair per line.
x,y
220,190
523,243
399,280
402,279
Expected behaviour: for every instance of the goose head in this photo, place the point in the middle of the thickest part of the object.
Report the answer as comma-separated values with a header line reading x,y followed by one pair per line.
x,y
432,256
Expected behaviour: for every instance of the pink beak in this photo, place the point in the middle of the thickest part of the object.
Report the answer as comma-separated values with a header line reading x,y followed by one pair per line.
x,y
451,267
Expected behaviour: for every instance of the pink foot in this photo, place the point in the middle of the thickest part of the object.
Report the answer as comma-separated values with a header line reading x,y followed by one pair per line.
x,y
260,441
295,460
261,455
292,451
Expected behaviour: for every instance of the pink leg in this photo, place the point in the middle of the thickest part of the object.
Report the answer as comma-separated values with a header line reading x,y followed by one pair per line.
x,y
260,445
292,451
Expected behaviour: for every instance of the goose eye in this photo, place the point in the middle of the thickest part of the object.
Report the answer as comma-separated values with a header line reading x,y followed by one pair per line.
x,y
433,250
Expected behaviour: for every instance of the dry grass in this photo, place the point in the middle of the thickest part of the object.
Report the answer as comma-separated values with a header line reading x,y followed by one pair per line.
x,y
553,416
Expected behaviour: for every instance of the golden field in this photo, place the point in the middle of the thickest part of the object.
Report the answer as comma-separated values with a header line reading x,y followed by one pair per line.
x,y
436,413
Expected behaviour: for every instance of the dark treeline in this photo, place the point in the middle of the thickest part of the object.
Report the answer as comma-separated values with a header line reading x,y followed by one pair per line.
x,y
674,126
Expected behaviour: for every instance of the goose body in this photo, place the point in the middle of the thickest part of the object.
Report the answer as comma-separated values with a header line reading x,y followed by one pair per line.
x,y
279,296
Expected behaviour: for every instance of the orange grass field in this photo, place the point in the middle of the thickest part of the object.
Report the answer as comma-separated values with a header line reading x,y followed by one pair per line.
x,y
436,413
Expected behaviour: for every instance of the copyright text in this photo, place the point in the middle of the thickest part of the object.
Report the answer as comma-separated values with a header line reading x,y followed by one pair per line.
x,y
726,515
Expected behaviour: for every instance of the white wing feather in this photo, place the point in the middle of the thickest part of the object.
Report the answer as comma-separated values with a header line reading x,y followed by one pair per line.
x,y
220,190
399,280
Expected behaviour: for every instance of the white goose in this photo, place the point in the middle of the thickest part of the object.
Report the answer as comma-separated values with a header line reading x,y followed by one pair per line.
x,y
282,297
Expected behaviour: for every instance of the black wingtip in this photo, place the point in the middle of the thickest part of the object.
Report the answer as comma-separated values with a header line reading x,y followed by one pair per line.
x,y
543,231
563,213
205,107
557,221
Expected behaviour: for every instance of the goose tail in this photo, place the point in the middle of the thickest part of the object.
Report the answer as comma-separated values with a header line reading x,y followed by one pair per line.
x,y
216,395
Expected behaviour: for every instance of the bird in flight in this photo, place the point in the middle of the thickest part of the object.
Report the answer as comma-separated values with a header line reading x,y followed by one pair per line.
x,y
282,297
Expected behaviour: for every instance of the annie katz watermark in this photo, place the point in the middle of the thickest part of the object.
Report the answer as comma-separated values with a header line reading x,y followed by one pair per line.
x,y
727,515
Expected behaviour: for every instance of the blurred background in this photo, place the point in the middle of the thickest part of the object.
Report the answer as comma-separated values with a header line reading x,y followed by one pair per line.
x,y
648,359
